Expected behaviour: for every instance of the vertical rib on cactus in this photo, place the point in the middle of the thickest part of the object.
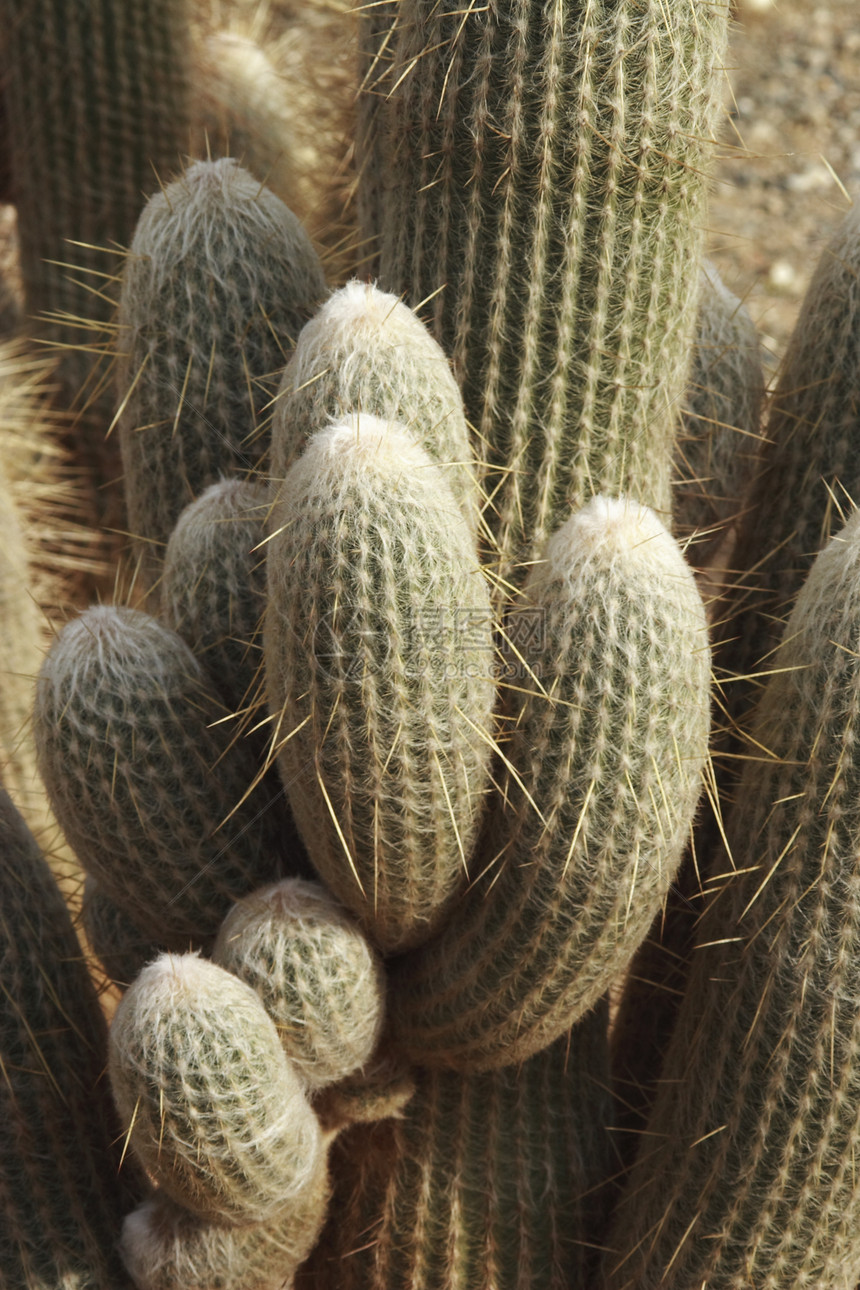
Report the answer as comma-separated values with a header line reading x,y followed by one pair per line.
x,y
97,110
214,1110
213,589
142,779
719,440
747,1175
545,170
219,281
379,665
605,760
487,1181
811,463
61,1202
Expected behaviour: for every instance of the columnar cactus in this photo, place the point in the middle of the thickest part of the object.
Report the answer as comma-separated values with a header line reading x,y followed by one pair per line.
x,y
379,663
746,1175
605,760
150,790
543,173
61,1198
219,280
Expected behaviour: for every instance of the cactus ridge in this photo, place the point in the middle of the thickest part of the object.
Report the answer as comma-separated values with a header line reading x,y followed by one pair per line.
x,y
384,701
321,982
61,1202
214,1110
140,778
218,283
485,1181
546,166
719,438
365,352
607,754
749,1166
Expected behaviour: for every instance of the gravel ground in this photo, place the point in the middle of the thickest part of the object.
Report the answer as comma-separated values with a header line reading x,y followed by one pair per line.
x,y
789,160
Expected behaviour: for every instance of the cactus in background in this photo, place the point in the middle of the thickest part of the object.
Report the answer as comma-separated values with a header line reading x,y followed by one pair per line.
x,y
151,795
115,939
605,760
233,1141
62,1201
165,1247
97,112
544,173
321,982
810,467
746,1171
219,280
379,663
720,434
213,589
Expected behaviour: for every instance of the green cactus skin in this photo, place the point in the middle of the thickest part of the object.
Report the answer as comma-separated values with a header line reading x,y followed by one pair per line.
x,y
61,1202
720,438
747,1174
383,700
219,281
606,757
319,979
545,173
115,939
213,1109
213,588
810,466
366,352
380,1090
489,1182
97,107
142,782
165,1247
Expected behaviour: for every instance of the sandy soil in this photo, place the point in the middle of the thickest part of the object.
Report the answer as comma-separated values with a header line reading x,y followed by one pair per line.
x,y
789,156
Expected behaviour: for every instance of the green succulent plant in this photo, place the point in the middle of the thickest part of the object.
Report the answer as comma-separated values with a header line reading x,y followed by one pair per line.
x,y
460,672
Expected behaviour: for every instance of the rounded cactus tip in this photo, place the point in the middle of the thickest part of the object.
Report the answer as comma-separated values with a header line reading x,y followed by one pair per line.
x,y
320,979
606,528
215,1111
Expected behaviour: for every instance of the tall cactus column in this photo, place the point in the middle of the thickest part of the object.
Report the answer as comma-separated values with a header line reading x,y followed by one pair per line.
x,y
545,175
96,104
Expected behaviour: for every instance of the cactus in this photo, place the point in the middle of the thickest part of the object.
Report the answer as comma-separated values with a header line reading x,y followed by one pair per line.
x,y
746,1174
320,981
233,1141
364,352
115,939
485,1181
605,757
151,794
219,280
382,704
62,1202
719,440
97,110
164,1246
544,176
213,588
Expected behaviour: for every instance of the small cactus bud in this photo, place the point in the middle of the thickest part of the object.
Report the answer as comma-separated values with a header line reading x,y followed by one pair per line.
x,y
212,1106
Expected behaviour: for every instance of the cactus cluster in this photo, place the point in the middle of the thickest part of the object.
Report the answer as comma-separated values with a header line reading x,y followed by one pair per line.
x,y
388,773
